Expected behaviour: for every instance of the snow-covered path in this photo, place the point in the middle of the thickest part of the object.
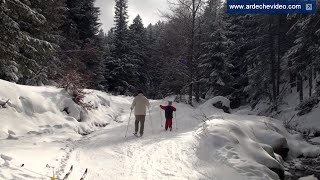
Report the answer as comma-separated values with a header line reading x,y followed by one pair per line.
x,y
42,125
47,134
184,153
157,155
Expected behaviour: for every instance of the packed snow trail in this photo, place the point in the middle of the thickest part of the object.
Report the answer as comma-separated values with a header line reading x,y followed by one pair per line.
x,y
159,154
42,125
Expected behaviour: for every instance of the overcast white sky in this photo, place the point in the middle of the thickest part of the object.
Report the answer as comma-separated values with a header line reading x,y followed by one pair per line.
x,y
148,10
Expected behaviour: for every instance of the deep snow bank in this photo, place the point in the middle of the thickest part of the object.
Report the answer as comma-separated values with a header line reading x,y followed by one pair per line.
x,y
244,142
289,110
38,110
308,124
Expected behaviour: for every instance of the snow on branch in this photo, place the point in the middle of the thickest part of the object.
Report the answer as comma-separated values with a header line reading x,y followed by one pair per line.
x,y
28,12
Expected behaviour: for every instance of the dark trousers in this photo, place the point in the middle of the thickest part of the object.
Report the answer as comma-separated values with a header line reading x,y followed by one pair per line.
x,y
141,119
168,124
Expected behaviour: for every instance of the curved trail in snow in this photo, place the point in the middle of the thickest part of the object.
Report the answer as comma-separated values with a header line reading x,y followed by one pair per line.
x,y
159,154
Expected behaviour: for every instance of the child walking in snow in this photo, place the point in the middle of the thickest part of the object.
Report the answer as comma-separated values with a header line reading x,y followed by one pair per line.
x,y
169,114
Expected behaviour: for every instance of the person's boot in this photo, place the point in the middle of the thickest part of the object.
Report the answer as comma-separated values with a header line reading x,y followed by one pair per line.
x,y
170,128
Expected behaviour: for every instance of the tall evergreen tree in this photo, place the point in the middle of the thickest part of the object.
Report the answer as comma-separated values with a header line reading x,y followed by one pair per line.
x,y
82,20
214,65
122,75
158,54
303,55
260,57
121,29
236,55
138,51
20,49
81,46
49,62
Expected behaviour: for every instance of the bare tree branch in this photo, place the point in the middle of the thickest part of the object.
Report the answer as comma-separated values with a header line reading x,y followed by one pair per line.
x,y
198,6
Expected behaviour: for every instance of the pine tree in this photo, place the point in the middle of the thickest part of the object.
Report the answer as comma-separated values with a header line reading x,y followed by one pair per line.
x,y
303,54
214,65
94,58
260,57
236,56
121,29
81,47
138,51
82,21
122,75
155,72
49,62
20,49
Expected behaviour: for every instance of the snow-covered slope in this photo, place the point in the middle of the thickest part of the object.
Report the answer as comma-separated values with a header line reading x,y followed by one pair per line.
x,y
307,124
205,142
38,110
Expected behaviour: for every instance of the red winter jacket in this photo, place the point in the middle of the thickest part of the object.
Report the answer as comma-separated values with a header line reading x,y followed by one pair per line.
x,y
168,111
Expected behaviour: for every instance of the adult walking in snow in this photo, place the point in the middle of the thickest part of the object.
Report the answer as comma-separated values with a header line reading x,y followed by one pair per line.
x,y
140,104
168,114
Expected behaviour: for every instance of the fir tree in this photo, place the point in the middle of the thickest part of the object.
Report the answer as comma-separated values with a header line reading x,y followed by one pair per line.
x,y
49,62
214,64
303,54
122,75
121,29
20,49
236,56
138,51
82,49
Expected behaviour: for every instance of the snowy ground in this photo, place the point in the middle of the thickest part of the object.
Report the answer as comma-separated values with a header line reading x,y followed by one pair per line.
x,y
307,124
225,146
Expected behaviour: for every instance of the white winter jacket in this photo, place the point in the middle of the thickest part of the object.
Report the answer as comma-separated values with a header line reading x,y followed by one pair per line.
x,y
140,104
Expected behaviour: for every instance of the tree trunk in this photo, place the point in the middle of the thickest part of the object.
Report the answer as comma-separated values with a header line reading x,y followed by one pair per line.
x,y
300,86
197,92
191,73
197,84
310,82
279,56
292,78
190,93
272,63
192,51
